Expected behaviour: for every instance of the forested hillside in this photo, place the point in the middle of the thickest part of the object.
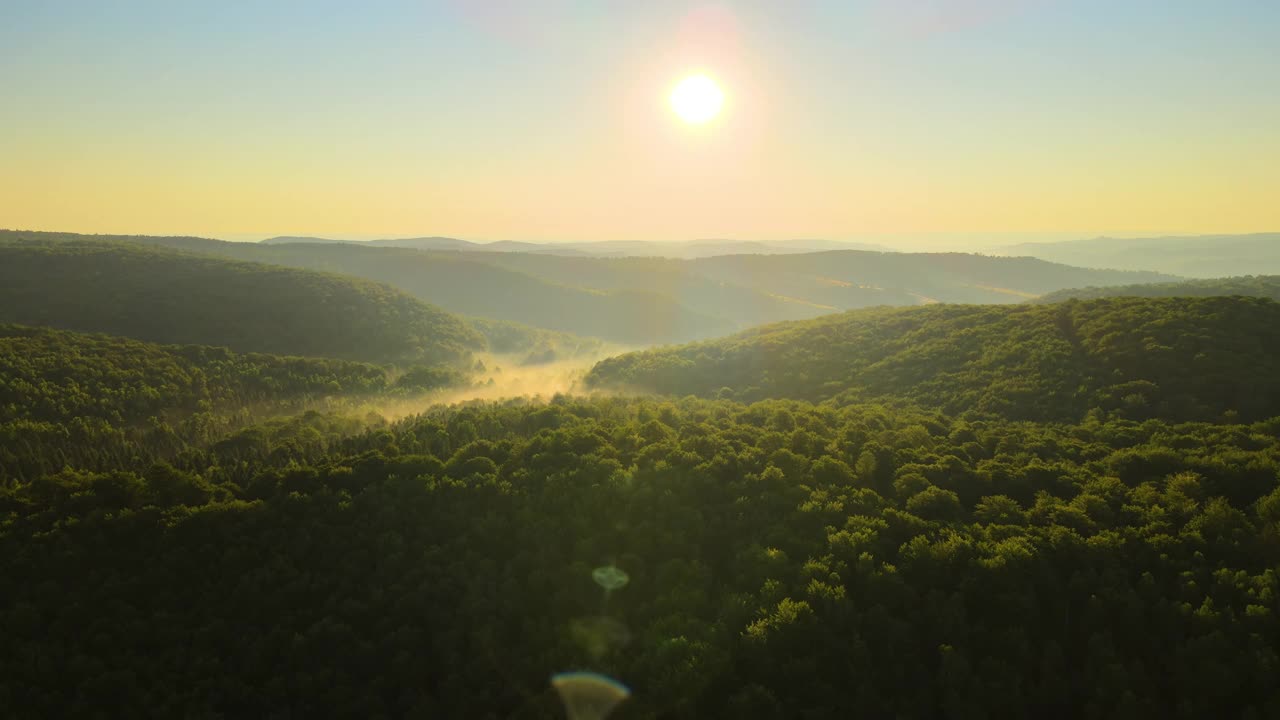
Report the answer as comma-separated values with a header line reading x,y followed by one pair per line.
x,y
784,560
412,442
851,279
644,301
1169,358
1267,286
463,283
104,402
167,296
1065,509
739,304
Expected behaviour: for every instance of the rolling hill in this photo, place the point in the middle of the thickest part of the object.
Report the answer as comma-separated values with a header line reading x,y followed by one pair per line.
x,y
651,300
739,305
465,283
743,290
700,296
472,284
1203,256
1267,286
1174,358
601,248
431,243
851,279
166,296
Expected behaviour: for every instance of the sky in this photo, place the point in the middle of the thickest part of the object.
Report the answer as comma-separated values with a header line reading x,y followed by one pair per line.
x,y
939,122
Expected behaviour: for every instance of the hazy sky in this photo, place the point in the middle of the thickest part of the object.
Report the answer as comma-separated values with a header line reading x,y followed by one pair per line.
x,y
500,119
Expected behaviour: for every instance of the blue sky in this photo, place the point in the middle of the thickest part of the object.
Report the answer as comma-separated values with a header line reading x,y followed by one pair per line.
x,y
546,120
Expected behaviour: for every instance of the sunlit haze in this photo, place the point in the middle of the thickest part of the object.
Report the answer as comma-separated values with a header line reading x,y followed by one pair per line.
x,y
943,122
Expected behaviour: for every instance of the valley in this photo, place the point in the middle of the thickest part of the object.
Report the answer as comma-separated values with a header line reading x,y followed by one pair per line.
x,y
306,470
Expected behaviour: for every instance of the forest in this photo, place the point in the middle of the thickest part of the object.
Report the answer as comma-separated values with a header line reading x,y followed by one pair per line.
x,y
106,402
653,300
1267,286
227,490
786,560
175,296
171,297
674,360
1170,358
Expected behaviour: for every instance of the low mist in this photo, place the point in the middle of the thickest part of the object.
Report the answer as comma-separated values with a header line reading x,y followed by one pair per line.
x,y
505,377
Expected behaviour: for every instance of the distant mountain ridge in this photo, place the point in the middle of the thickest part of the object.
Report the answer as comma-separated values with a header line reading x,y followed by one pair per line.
x,y
429,243
1202,256
656,300
458,282
602,248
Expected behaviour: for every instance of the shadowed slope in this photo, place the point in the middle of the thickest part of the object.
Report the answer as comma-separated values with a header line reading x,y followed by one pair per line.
x,y
174,297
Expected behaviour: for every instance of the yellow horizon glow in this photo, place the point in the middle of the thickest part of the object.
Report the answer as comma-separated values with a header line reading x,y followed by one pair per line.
x,y
570,132
629,168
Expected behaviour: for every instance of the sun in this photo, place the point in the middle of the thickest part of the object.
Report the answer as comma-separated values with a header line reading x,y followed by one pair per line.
x,y
697,99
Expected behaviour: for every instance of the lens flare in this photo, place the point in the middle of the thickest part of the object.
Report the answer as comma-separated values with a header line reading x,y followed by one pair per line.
x,y
589,696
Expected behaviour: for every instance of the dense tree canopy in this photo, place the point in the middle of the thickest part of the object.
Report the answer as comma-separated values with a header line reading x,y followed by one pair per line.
x,y
56,376
176,297
1267,286
1032,510
96,401
785,561
1175,358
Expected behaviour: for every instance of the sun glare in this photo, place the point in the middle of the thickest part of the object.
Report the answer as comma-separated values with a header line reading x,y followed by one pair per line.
x,y
697,99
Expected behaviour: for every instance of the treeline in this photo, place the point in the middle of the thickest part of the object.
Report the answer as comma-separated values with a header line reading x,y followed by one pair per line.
x,y
468,284
168,296
1267,286
104,402
649,300
1168,358
786,560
